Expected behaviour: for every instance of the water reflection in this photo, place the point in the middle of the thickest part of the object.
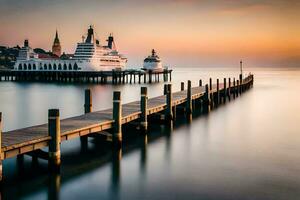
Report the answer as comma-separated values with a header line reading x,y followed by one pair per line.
x,y
54,186
116,172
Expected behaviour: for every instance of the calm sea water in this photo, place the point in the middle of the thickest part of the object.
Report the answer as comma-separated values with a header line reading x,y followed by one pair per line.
x,y
246,149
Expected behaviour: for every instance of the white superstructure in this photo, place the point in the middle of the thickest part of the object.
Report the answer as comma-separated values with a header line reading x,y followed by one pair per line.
x,y
152,62
89,56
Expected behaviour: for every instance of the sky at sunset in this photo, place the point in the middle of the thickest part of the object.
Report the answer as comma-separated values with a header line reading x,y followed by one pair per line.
x,y
184,32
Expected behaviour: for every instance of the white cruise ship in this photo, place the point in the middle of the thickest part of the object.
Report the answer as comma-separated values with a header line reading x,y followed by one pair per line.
x,y
89,56
153,62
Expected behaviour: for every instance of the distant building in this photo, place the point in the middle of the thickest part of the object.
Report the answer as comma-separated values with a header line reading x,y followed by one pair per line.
x,y
56,48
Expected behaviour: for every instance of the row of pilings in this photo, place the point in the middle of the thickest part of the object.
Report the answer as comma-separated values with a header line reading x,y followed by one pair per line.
x,y
102,77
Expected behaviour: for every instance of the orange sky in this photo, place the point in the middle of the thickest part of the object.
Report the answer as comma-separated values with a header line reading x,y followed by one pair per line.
x,y
184,32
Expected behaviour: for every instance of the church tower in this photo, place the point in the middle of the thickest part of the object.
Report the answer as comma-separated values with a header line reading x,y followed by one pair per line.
x,y
56,48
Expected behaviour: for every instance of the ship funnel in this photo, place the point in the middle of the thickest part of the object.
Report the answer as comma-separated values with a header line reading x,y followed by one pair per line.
x,y
90,36
110,41
26,43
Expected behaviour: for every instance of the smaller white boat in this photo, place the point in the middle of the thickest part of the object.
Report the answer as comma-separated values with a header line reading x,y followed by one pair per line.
x,y
152,62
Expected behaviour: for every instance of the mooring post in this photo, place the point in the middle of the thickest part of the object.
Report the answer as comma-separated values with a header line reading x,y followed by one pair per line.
x,y
234,88
210,84
218,92
169,99
189,108
87,109
206,99
1,147
144,106
224,91
182,86
229,88
87,101
238,87
117,117
200,83
241,83
54,144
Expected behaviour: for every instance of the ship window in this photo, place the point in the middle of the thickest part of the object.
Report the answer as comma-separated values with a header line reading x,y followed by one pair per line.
x,y
54,66
75,66
25,67
70,66
20,66
45,67
50,67
59,66
34,67
65,67
29,67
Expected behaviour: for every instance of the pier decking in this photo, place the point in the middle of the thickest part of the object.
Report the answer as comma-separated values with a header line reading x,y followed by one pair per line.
x,y
103,77
33,139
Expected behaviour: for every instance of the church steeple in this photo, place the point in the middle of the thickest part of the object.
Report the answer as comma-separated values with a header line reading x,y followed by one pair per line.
x,y
56,48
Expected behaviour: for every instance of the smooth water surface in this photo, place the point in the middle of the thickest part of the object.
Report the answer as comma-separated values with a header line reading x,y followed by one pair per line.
x,y
246,149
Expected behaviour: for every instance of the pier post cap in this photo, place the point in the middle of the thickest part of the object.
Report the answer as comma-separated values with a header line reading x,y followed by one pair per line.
x,y
87,91
117,95
53,113
143,90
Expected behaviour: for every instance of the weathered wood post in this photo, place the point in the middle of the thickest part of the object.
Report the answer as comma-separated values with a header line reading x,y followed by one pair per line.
x,y
210,84
234,88
238,87
218,92
206,99
241,83
165,89
87,109
189,108
54,144
117,117
224,91
87,101
200,83
169,99
1,147
229,88
182,86
144,106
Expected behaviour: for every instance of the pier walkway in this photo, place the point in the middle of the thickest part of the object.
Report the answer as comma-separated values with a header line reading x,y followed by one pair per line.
x,y
34,140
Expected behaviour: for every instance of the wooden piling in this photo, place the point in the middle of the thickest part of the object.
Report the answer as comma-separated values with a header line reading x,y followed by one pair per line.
x,y
189,108
238,87
117,117
241,82
206,101
54,144
87,101
144,106
200,83
218,92
182,86
87,109
234,88
224,91
210,84
229,88
1,147
169,99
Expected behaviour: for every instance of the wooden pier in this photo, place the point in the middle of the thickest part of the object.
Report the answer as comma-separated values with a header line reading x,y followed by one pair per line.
x,y
103,77
36,140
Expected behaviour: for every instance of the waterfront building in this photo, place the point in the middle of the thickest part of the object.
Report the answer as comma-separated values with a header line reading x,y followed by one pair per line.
x,y
89,55
56,47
